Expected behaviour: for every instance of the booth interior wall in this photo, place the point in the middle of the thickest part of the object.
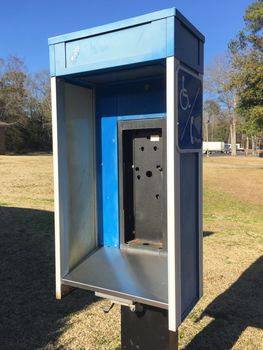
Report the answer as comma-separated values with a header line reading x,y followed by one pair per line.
x,y
80,130
135,100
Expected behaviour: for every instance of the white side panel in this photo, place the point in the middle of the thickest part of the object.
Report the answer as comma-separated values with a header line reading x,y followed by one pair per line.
x,y
56,201
173,199
177,213
81,172
60,181
74,176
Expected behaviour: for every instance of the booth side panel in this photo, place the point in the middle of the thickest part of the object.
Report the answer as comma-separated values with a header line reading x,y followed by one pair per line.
x,y
189,45
189,146
74,176
80,131
189,217
60,182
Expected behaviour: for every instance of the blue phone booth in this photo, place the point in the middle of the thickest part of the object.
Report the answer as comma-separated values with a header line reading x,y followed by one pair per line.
x,y
127,142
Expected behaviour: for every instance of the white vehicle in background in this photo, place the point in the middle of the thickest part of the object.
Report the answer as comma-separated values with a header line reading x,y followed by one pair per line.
x,y
228,148
213,147
239,148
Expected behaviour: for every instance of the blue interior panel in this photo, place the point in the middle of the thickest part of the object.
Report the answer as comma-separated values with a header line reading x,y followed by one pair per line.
x,y
144,99
110,179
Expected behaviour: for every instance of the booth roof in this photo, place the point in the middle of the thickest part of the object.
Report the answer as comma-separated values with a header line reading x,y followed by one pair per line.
x,y
114,26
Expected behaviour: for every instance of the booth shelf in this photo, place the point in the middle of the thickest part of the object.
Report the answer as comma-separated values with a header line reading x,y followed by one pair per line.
x,y
133,274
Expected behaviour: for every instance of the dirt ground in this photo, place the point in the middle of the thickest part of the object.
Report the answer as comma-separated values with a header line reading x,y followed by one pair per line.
x,y
230,314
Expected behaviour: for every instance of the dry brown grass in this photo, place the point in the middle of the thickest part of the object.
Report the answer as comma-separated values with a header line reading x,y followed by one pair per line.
x,y
241,176
30,317
230,315
26,181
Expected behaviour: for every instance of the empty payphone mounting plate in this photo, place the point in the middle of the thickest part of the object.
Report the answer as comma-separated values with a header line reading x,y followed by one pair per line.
x,y
142,189
127,273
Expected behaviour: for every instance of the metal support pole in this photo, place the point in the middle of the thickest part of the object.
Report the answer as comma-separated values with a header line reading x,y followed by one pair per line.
x,y
146,329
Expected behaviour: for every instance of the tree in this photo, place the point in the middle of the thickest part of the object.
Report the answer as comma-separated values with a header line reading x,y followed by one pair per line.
x,y
13,92
219,85
13,101
247,76
211,113
39,111
25,103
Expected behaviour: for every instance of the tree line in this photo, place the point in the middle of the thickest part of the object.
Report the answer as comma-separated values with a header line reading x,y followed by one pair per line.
x,y
233,86
25,105
233,108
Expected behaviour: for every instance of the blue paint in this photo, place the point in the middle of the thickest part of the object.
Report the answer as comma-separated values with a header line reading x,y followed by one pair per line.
x,y
190,99
147,42
130,22
109,47
145,38
109,184
146,96
170,33
110,178
59,54
189,222
52,63
149,37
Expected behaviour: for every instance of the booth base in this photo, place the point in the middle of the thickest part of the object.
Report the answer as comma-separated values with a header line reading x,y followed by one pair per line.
x,y
134,274
147,329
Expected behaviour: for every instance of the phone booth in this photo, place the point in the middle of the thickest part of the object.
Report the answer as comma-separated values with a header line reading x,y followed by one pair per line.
x,y
127,143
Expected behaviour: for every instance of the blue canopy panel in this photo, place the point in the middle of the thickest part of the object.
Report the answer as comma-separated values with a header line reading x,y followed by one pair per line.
x,y
141,39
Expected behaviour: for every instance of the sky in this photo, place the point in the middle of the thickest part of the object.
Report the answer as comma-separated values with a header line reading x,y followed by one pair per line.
x,y
26,25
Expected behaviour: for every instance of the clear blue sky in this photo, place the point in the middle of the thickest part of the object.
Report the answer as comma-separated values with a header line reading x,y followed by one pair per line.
x,y
25,25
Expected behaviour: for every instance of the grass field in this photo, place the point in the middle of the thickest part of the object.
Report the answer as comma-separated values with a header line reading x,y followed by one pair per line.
x,y
230,315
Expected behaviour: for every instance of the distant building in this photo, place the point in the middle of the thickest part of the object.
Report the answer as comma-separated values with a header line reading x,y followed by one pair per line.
x,y
3,127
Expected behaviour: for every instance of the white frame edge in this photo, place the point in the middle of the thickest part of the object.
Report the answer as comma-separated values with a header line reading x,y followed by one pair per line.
x,y
56,186
173,201
177,214
200,174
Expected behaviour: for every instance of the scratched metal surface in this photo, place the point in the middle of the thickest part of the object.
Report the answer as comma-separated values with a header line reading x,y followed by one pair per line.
x,y
132,274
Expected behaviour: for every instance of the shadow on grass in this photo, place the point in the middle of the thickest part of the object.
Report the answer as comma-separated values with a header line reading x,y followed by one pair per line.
x,y
239,307
30,317
208,233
